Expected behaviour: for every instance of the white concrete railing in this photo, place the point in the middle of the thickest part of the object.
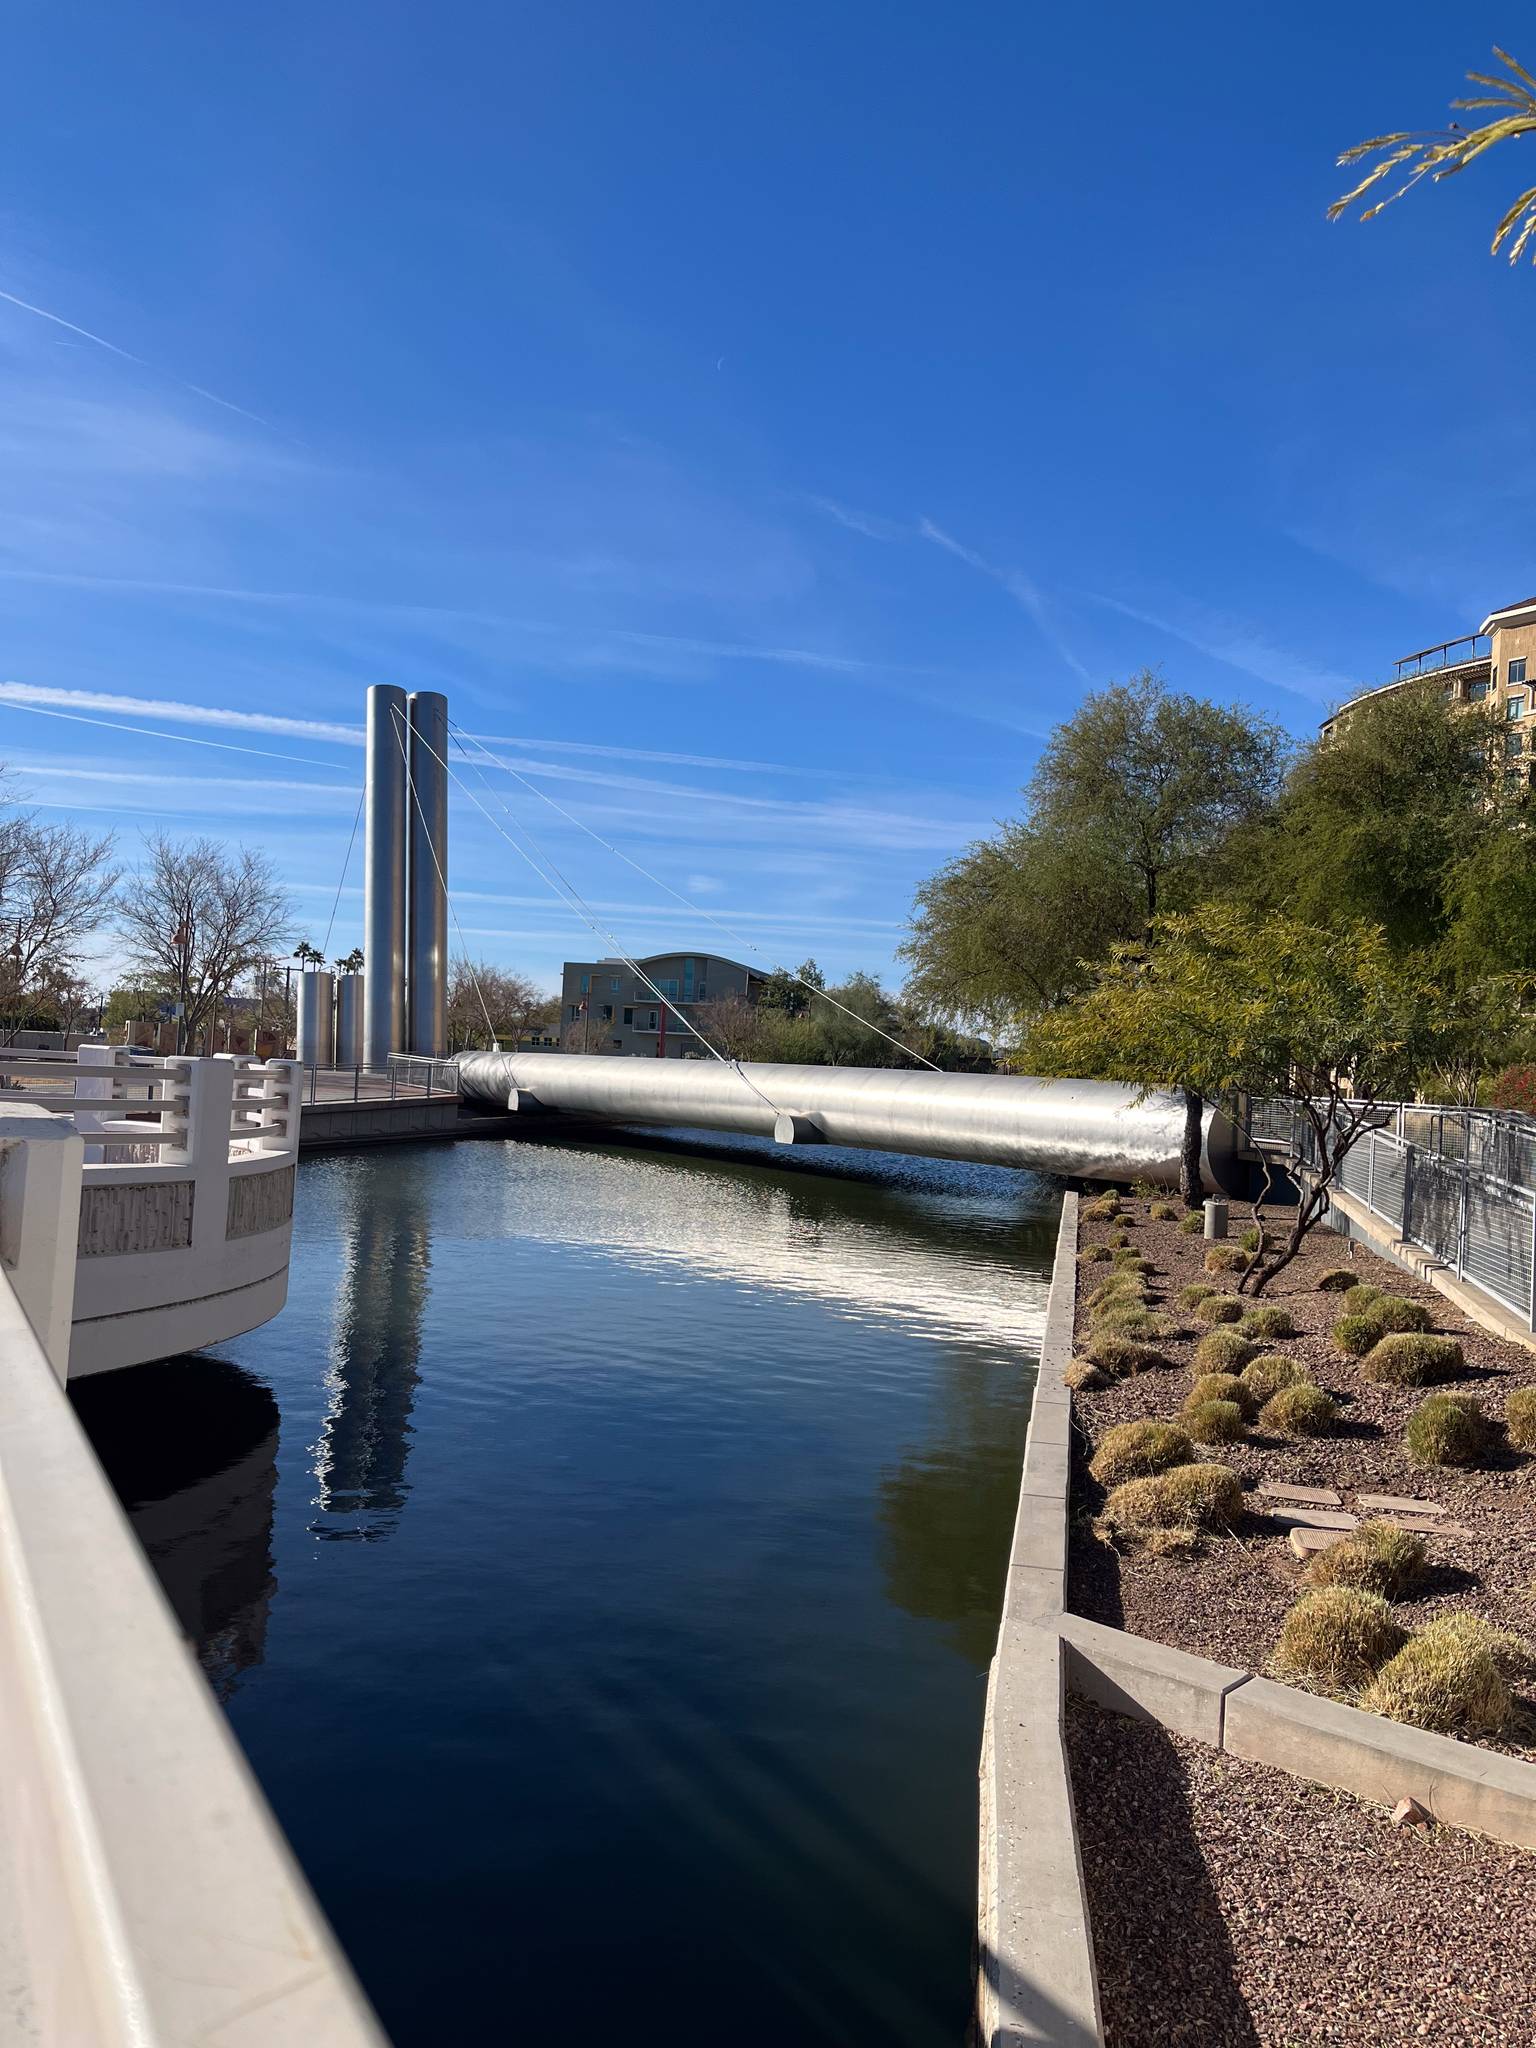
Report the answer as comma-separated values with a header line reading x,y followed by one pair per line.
x,y
185,1210
147,1897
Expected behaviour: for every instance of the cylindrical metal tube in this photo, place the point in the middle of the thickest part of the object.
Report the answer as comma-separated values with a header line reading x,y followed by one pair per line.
x,y
384,875
1098,1130
349,1020
427,918
317,1018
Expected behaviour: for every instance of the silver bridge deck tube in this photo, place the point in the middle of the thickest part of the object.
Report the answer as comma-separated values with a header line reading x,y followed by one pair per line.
x,y
1094,1130
384,875
427,912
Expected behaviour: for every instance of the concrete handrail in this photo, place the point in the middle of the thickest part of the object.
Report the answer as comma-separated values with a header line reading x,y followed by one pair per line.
x,y
146,1894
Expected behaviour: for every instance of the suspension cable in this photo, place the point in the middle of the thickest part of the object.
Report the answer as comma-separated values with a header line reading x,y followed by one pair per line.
x,y
679,897
410,783
356,818
561,886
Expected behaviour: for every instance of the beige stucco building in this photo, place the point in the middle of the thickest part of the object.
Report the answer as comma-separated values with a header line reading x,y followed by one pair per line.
x,y
605,1006
1496,664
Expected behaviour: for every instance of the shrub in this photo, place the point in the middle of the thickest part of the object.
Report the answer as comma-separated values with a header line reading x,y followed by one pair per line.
x,y
1223,1351
1102,1300
1084,1377
1357,1299
1221,1386
1268,1322
1445,1678
1520,1418
1197,1291
1355,1335
1218,1308
1104,1209
1122,1357
1264,1377
1337,1280
1252,1240
1515,1088
1094,1255
1300,1410
1132,1319
1376,1558
1337,1636
1411,1359
1163,1212
1136,1450
1447,1429
1187,1497
1130,1262
1215,1422
1397,1312
1118,1240
1225,1258
1193,1223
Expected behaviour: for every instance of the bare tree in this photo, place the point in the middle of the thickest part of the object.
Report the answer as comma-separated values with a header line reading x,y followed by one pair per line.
x,y
55,889
477,990
194,917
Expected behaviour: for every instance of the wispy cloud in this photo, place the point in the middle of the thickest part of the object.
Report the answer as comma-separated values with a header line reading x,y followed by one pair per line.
x,y
1021,588
1241,647
177,712
868,523
112,348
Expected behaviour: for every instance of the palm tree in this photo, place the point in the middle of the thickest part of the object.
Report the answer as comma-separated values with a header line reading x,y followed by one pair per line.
x,y
1440,154
308,955
351,963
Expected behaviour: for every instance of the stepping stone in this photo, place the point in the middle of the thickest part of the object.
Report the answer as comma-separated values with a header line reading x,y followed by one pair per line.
x,y
1427,1525
1318,1496
1312,1518
1395,1503
1306,1543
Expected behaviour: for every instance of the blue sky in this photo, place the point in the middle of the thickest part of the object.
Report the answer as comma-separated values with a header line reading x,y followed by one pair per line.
x,y
765,421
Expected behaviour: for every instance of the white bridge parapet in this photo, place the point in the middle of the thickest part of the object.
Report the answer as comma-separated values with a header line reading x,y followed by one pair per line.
x,y
147,1897
185,1211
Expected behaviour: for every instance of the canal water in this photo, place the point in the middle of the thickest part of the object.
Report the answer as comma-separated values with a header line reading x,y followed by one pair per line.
x,y
599,1561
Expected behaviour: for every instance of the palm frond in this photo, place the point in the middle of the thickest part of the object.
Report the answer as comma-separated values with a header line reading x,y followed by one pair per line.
x,y
1519,69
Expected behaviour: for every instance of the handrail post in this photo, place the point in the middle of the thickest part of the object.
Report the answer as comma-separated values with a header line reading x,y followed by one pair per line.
x,y
41,1155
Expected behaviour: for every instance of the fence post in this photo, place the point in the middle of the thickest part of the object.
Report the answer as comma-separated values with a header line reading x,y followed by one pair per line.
x,y
1461,1220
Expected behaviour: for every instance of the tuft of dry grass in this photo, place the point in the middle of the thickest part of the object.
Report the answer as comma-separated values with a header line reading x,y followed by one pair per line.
x,y
1397,1312
1225,1350
1337,1637
1445,1678
1103,1209
1269,1321
1356,1334
1193,1223
1084,1377
1196,1292
1188,1497
1125,1261
1447,1429
1376,1558
1218,1308
1163,1212
1410,1358
1520,1418
1359,1298
1132,1319
1122,1357
1118,1287
1118,1240
1225,1258
1093,1255
1222,1386
1300,1410
1264,1377
1214,1422
1252,1240
1137,1450
1337,1280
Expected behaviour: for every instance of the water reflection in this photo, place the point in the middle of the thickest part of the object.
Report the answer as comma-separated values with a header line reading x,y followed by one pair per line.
x,y
375,1351
190,1447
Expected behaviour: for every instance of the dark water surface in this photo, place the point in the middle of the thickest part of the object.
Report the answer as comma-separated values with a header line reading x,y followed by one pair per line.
x,y
599,1561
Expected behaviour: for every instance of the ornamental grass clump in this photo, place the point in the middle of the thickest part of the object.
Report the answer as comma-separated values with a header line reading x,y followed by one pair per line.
x,y
1447,1429
1122,1357
1137,1450
1093,1255
1337,1280
1192,1224
1268,1322
1214,1422
1359,1297
1446,1678
1411,1359
1163,1212
1193,1497
1133,1319
1083,1376
1117,1240
1128,1292
1221,1386
1265,1376
1338,1637
1376,1558
1218,1308
1394,1312
1300,1410
1355,1335
1225,1258
1196,1292
1224,1350
1520,1418
1130,1262
1252,1240
1104,1209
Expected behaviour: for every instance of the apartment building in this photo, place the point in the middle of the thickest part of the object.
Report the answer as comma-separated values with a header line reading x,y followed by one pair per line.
x,y
1488,666
606,1007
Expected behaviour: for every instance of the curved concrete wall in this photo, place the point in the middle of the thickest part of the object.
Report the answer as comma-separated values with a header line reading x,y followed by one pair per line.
x,y
1098,1130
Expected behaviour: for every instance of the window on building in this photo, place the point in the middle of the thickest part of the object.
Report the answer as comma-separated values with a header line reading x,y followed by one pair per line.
x,y
586,984
1476,692
1514,743
607,1013
613,983
668,988
1516,672
629,1016
1514,707
575,1011
650,1023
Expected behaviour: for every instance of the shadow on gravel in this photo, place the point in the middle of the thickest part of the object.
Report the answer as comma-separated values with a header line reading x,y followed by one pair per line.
x,y
1167,1974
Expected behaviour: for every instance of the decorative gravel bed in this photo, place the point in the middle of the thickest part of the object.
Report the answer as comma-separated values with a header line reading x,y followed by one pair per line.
x,y
1235,1907
1229,1599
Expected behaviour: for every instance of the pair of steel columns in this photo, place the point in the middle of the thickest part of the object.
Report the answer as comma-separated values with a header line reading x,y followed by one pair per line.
x,y
405,867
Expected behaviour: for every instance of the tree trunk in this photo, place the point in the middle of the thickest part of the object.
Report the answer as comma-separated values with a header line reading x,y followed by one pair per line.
x,y
1191,1185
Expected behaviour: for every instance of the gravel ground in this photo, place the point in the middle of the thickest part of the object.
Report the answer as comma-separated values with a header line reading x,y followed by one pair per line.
x,y
1229,1601
1281,1915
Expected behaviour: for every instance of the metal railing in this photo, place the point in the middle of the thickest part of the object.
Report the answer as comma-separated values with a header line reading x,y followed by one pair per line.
x,y
1426,660
1458,1183
407,1078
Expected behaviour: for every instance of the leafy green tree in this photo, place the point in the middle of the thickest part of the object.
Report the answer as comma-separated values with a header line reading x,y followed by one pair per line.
x,y
1130,810
788,992
1225,1006
1441,153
